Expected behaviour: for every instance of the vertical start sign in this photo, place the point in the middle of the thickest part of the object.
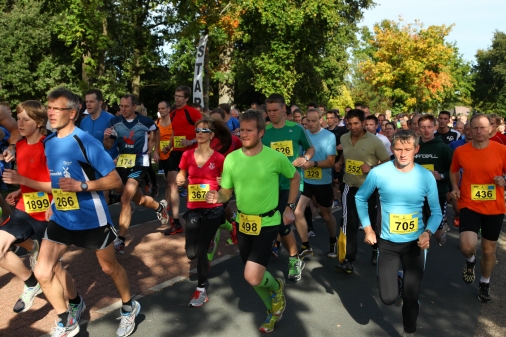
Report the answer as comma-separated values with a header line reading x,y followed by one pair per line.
x,y
198,96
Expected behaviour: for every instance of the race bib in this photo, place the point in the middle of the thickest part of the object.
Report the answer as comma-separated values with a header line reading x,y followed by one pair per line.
x,y
483,192
197,192
126,160
429,167
65,201
285,147
164,144
313,173
177,142
36,202
250,224
403,223
354,167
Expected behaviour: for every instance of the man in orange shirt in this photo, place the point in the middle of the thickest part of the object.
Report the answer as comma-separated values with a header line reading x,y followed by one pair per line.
x,y
480,199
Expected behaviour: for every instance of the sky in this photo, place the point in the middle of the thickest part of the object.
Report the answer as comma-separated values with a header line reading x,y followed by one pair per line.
x,y
475,21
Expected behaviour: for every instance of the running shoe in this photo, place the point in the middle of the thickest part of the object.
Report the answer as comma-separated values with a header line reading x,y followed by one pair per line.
x,y
484,295
295,267
163,216
374,257
268,325
310,232
305,251
174,229
154,191
332,251
127,323
76,310
198,299
276,250
468,273
34,254
25,301
345,267
60,330
456,221
119,246
278,299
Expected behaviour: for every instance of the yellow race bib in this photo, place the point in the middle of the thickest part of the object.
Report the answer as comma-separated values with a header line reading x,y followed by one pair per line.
x,y
250,224
483,192
177,142
429,167
313,173
36,202
403,223
126,160
285,147
197,192
354,167
164,144
65,201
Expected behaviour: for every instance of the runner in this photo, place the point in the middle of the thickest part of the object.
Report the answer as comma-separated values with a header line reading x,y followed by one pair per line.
x,y
203,167
79,169
288,138
131,131
371,125
183,138
495,135
257,201
337,177
448,135
481,200
165,126
318,184
402,236
435,156
362,151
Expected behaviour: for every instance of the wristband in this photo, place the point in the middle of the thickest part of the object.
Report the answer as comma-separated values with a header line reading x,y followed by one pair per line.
x,y
429,232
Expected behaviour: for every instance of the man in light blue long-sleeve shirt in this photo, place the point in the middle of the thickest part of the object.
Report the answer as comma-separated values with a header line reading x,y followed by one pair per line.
x,y
403,237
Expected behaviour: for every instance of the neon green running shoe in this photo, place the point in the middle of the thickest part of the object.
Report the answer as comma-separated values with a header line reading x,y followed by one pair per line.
x,y
268,325
278,299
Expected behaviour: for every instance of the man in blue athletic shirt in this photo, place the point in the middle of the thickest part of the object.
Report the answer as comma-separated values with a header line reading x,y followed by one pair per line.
x,y
80,170
403,237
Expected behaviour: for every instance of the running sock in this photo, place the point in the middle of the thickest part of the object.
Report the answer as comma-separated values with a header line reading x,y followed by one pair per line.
x,y
305,244
176,222
201,289
75,300
127,306
294,256
269,282
333,240
484,280
31,281
227,226
160,208
122,238
64,318
264,289
471,259
265,295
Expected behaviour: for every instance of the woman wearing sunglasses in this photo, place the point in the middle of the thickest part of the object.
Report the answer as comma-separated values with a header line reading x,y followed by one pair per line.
x,y
202,166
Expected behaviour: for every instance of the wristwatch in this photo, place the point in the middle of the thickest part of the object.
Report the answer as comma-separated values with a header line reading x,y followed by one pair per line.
x,y
315,163
306,159
428,231
292,206
84,186
442,176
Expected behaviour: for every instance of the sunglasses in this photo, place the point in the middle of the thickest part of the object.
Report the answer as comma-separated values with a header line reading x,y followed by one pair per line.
x,y
203,130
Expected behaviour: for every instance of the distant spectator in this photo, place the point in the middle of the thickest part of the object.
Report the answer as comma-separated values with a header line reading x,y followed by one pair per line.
x,y
232,123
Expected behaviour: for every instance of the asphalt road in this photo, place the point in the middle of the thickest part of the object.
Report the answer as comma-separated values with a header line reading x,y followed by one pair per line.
x,y
323,303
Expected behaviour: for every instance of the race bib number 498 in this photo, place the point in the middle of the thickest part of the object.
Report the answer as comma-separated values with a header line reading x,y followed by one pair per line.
x,y
250,224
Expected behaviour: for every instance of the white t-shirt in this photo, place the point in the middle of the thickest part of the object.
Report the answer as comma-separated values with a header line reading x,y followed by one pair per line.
x,y
386,142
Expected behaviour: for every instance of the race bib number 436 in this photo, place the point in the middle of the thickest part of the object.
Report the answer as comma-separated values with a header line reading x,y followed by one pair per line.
x,y
285,147
250,224
65,201
483,192
403,223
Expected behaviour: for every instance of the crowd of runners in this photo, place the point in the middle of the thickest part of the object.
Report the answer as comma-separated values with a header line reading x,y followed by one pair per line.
x,y
393,180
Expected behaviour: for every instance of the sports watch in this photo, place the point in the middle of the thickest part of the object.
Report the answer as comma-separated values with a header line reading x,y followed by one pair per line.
x,y
84,186
292,206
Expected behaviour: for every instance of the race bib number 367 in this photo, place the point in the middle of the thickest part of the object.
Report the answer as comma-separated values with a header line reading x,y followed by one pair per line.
x,y
483,192
403,223
197,192
250,224
65,201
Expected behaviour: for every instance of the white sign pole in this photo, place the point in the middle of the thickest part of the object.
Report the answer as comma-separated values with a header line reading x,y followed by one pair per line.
x,y
199,69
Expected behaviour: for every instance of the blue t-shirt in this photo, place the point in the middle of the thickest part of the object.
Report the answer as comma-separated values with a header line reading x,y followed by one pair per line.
x,y
401,193
324,143
81,157
97,127
132,137
456,143
232,124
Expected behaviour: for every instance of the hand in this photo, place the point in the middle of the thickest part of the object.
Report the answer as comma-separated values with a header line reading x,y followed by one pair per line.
x,y
436,175
337,166
49,212
156,157
12,177
500,181
307,165
108,132
13,198
424,240
166,149
370,235
180,180
299,162
456,194
288,216
339,147
366,168
212,197
70,185
9,155
186,142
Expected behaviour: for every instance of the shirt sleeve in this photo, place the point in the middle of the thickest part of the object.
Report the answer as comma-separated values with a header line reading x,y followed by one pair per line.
x,y
100,160
381,151
226,177
435,208
363,194
285,167
195,115
331,146
305,142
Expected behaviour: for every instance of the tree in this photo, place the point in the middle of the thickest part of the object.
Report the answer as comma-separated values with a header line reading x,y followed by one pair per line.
x,y
413,67
489,73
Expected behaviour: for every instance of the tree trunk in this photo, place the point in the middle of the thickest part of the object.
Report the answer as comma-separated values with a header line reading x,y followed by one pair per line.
x,y
225,87
206,76
101,57
136,75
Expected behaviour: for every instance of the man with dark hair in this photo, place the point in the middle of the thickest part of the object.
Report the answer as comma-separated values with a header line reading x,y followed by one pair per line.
x,y
197,106
311,105
371,125
232,123
495,135
338,131
448,135
130,133
362,152
254,105
184,138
